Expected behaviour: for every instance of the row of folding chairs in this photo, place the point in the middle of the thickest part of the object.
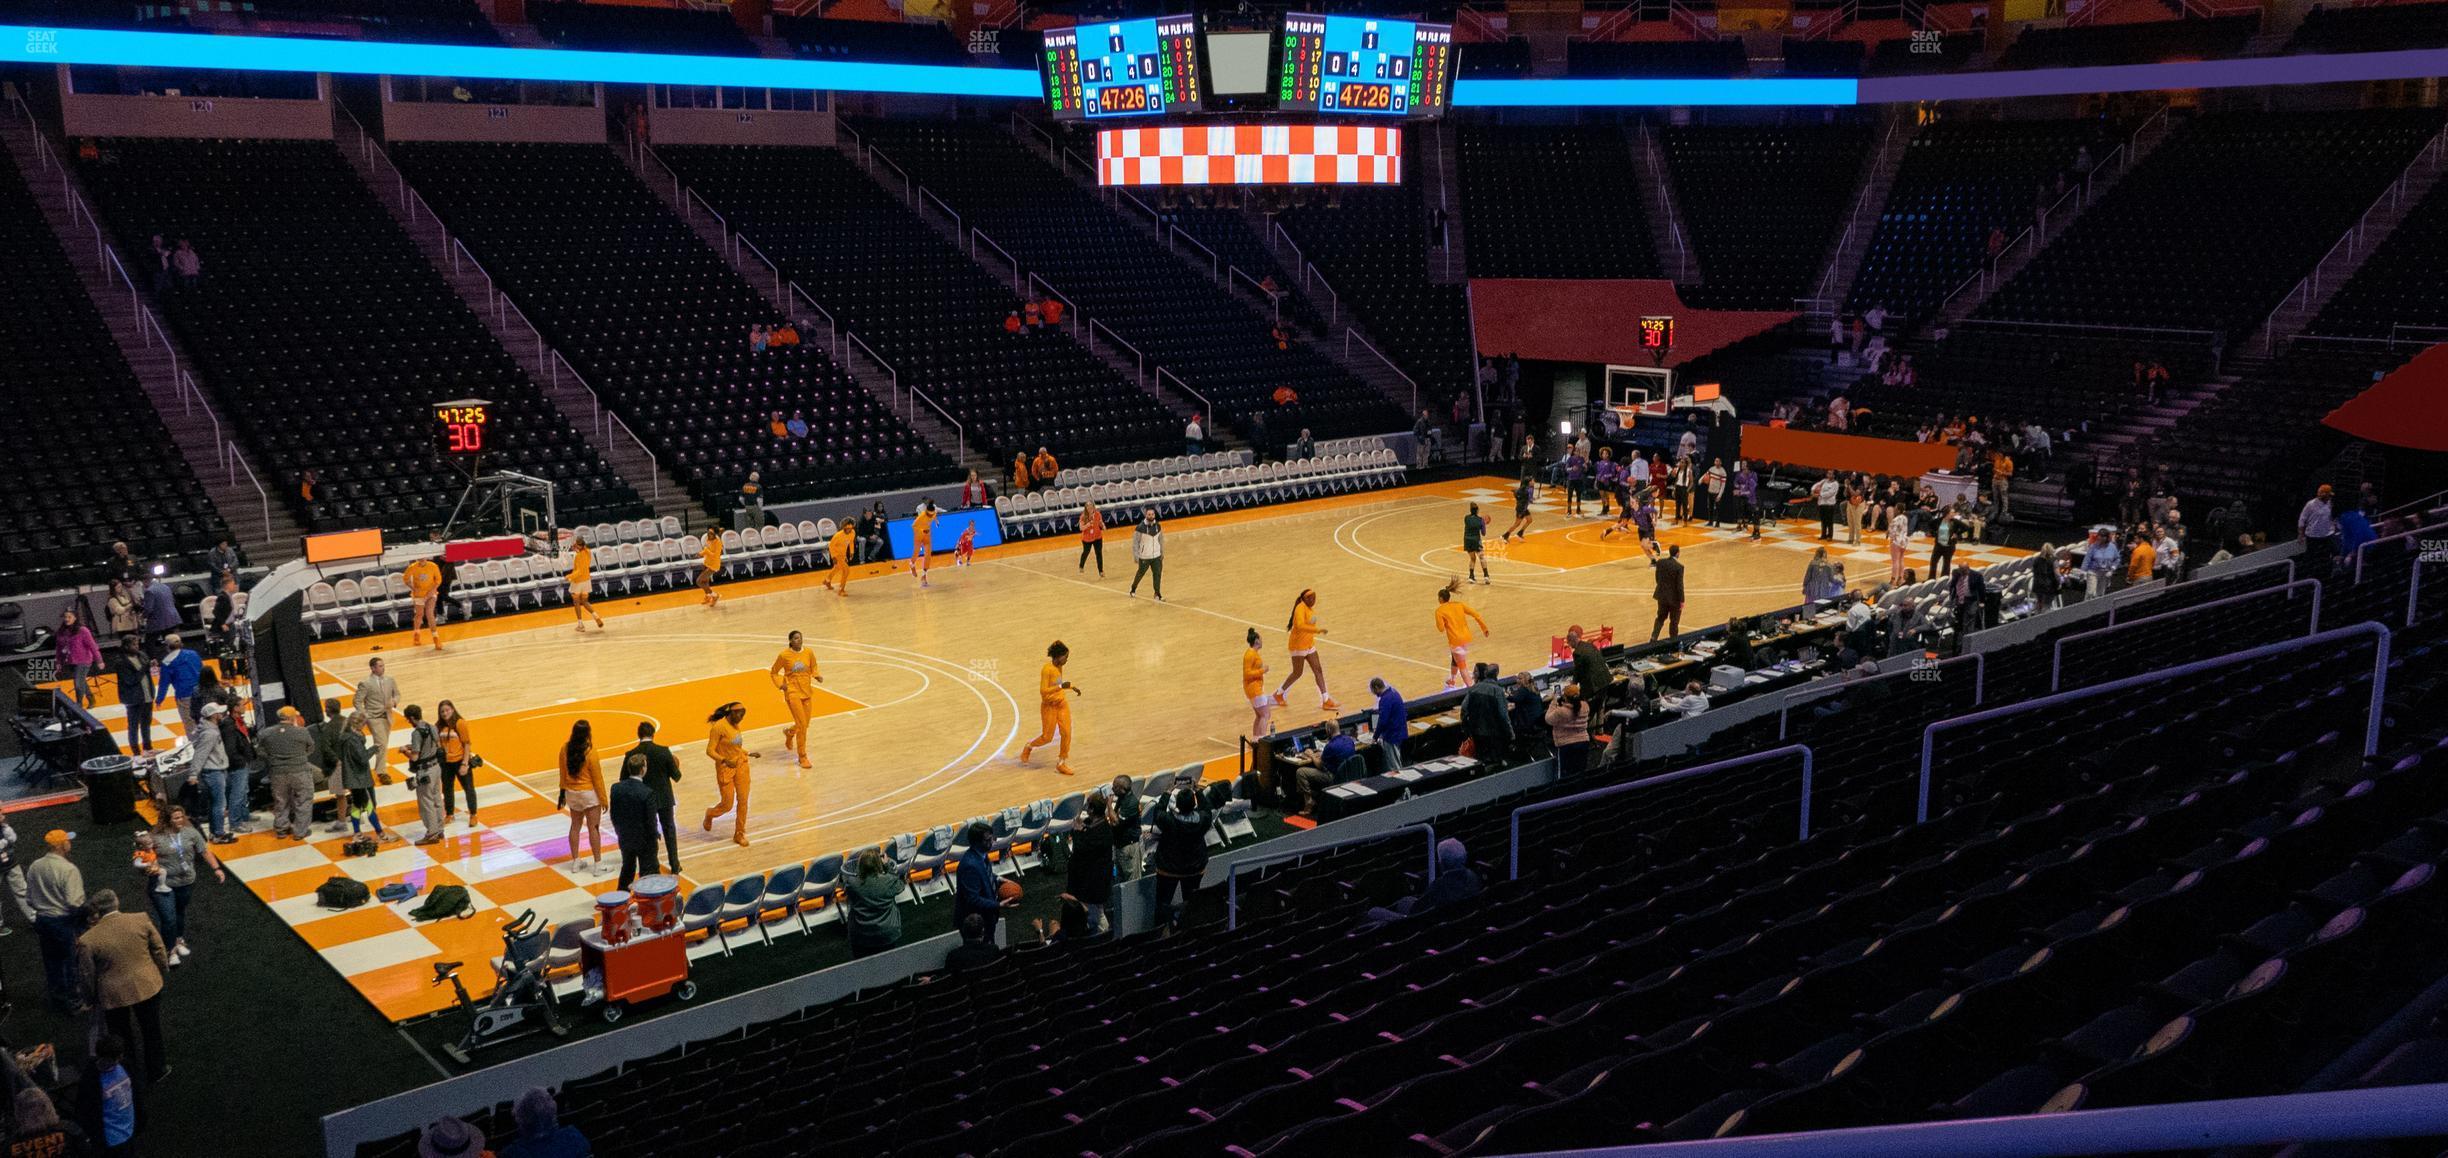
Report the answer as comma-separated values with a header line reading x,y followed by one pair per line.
x,y
1058,511
1153,467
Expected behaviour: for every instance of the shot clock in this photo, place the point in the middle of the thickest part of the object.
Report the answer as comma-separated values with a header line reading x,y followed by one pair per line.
x,y
465,427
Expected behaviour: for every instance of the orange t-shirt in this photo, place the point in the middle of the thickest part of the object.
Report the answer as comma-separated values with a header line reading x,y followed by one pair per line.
x,y
424,577
1454,619
1092,525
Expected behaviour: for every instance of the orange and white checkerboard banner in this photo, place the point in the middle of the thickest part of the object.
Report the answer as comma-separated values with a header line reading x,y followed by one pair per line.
x,y
1251,155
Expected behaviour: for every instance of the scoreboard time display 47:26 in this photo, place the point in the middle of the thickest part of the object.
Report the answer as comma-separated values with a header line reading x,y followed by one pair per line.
x,y
1122,69
1358,64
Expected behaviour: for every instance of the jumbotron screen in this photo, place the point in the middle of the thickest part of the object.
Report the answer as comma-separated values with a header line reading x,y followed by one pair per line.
x,y
1365,65
1126,68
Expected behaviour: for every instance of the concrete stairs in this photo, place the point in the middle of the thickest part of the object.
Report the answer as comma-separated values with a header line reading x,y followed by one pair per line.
x,y
2125,441
1674,250
2338,266
869,370
1448,264
610,437
1878,180
249,496
2020,250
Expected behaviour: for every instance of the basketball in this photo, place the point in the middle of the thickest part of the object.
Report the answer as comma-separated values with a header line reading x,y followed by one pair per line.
x,y
1009,891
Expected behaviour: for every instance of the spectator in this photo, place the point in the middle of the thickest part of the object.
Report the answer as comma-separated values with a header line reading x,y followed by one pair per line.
x,y
874,899
873,546
1127,810
1052,309
1194,437
785,334
1313,772
2317,527
55,888
107,1100
1455,882
136,677
37,1131
78,655
1043,469
181,671
1824,495
977,948
540,1132
1092,537
1819,578
976,894
211,762
1486,721
161,265
287,755
1422,433
161,613
1011,322
353,778
1287,396
458,763
1304,446
121,613
1088,879
751,499
758,339
309,484
2143,558
1392,723
1181,854
633,822
222,560
452,1138
1147,548
1693,701
14,874
1943,533
798,424
779,426
1020,472
973,492
121,959
2101,558
377,695
187,264
1568,729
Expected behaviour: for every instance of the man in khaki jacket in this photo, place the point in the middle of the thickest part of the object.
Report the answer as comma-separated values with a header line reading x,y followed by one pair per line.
x,y
121,960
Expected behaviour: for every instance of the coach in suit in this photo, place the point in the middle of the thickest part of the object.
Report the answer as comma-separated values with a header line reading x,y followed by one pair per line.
x,y
1669,593
657,767
633,822
121,960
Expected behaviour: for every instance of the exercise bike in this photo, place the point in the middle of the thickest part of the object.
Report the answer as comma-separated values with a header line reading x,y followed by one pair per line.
x,y
522,1001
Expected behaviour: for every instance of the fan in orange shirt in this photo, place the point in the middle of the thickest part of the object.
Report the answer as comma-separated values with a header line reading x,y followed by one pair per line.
x,y
794,671
424,587
711,556
1454,617
839,548
730,758
1053,711
582,583
1305,632
1253,689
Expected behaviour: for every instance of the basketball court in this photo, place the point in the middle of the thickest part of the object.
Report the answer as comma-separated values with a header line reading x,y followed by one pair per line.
x,y
929,694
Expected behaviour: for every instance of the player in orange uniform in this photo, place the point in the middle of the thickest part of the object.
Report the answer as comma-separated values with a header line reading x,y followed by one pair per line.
x,y
1053,711
730,758
710,555
1253,689
1305,632
922,541
839,547
1454,617
792,671
424,594
582,583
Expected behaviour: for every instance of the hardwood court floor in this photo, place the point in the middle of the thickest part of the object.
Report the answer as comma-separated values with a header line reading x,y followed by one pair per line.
x,y
929,694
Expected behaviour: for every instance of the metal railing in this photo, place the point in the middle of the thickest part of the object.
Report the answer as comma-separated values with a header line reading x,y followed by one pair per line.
x,y
960,433
1094,327
926,195
2371,732
1274,300
2058,656
1352,334
1513,857
237,464
2364,552
689,196
1232,877
1215,263
2037,234
654,474
1019,278
781,284
1184,387
878,359
1655,160
2351,243
833,343
1861,203
1071,314
909,187
2284,1119
1334,301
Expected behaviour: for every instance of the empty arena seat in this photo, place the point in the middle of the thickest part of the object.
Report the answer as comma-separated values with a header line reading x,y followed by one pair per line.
x,y
1372,247
1958,181
1552,201
1762,205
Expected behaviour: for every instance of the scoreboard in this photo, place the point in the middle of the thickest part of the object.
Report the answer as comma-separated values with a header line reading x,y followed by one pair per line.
x,y
1365,66
1126,68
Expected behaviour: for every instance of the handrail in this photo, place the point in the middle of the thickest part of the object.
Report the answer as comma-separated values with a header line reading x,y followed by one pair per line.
x,y
2173,331
1651,157
2325,1116
1154,218
1817,689
1086,165
858,141
2430,502
1232,876
2057,659
1334,301
1024,128
1869,181
560,362
2371,731
925,195
960,433
2081,193
976,235
689,194
909,187
1073,315
740,241
1215,263
1110,336
237,463
1298,262
1513,864
1184,387
1351,334
1274,300
654,475
2364,552
832,344
878,359
2309,286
